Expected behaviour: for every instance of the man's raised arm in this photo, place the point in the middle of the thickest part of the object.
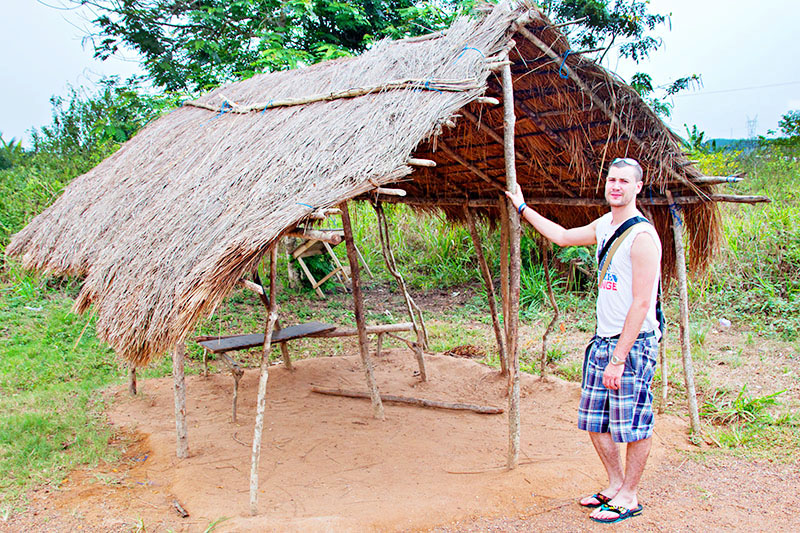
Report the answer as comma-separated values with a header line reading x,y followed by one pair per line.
x,y
581,236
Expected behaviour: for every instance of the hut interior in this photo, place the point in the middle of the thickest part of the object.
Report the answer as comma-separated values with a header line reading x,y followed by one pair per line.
x,y
170,224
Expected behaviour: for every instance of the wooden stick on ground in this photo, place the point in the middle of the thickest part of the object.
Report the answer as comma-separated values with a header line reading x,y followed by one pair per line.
x,y
361,323
481,409
261,405
509,121
179,383
683,292
487,281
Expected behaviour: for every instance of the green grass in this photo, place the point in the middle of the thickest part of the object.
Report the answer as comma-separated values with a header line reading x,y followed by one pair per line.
x,y
51,413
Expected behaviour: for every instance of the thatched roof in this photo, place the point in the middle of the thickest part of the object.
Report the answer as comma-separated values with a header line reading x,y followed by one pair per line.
x,y
164,228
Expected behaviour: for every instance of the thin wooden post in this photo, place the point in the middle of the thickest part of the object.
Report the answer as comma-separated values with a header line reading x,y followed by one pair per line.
x,y
487,280
509,121
504,232
662,360
545,245
683,294
179,392
132,380
411,306
361,323
261,405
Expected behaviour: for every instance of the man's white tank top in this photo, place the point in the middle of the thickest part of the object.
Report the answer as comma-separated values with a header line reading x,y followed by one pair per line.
x,y
615,296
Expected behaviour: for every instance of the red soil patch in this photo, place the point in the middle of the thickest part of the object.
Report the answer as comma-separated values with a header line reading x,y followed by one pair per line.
x,y
327,465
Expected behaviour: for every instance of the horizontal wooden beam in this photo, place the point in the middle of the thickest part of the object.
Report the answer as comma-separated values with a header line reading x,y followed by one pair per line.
x,y
415,162
714,180
578,202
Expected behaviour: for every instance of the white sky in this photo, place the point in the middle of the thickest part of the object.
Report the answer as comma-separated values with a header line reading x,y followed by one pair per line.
x,y
747,54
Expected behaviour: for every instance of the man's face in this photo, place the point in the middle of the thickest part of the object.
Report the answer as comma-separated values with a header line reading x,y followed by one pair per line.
x,y
621,186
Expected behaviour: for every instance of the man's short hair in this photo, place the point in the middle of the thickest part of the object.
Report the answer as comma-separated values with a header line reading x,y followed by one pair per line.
x,y
629,162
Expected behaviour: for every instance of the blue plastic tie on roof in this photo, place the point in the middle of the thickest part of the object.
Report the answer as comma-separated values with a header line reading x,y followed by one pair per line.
x,y
464,51
266,107
224,109
428,86
561,73
309,206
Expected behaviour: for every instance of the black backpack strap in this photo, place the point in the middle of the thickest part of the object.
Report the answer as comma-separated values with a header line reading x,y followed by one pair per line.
x,y
620,230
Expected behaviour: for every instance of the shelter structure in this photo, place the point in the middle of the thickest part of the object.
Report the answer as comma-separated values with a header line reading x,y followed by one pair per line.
x,y
168,226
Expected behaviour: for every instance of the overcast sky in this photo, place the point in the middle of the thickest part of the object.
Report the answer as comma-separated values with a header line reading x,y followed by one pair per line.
x,y
748,60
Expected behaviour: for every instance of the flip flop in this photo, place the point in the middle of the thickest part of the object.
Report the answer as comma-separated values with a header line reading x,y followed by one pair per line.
x,y
602,498
622,513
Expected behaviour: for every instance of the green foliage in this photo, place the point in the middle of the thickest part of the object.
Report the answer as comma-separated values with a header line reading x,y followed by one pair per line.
x,y
662,104
721,408
86,128
790,123
200,44
622,22
757,272
11,153
51,416
694,138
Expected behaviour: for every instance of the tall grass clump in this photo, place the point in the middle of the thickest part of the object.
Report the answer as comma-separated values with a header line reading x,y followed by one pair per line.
x,y
756,276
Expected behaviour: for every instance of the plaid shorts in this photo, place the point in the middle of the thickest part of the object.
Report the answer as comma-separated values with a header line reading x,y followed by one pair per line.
x,y
627,413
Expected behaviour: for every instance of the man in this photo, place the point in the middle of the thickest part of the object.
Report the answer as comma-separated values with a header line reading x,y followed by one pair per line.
x,y
616,401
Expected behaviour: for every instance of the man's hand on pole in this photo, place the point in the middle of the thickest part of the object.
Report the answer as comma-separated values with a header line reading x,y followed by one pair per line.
x,y
516,197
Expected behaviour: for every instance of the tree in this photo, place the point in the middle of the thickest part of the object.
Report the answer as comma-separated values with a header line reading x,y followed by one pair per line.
x,y
197,44
790,123
609,22
86,123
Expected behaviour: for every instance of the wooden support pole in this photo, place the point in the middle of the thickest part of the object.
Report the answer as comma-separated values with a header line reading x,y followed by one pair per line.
x,y
509,121
261,405
414,311
178,354
504,294
487,281
662,360
287,359
683,294
379,345
361,323
545,246
132,380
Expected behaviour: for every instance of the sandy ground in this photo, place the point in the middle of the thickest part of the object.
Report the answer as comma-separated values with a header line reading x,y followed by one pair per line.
x,y
327,465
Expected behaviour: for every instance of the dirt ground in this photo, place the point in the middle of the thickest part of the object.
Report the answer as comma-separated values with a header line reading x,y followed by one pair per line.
x,y
327,465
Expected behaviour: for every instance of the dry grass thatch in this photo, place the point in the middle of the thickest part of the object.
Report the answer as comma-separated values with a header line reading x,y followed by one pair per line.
x,y
165,227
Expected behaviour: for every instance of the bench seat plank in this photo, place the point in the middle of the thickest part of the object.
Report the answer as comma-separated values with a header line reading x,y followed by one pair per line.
x,y
242,342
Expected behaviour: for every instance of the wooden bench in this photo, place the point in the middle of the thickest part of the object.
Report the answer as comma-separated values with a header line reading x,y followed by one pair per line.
x,y
220,345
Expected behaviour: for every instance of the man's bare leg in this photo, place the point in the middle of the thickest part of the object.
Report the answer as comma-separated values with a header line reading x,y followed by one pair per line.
x,y
608,451
635,460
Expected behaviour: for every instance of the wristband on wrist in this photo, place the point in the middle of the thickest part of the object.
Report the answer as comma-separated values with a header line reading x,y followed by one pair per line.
x,y
521,207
